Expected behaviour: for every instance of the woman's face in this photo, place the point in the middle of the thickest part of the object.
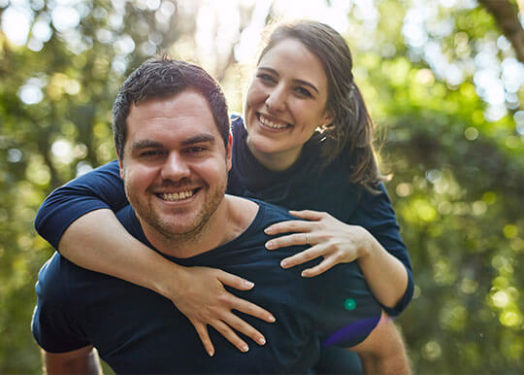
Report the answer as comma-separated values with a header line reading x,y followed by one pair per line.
x,y
285,103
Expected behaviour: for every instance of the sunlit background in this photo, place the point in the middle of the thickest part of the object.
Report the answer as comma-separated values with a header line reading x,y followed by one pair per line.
x,y
444,84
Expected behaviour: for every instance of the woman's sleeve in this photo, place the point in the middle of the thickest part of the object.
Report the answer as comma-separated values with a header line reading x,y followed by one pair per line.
x,y
375,213
97,189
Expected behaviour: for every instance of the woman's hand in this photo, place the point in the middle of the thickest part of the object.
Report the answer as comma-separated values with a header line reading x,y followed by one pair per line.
x,y
200,295
329,238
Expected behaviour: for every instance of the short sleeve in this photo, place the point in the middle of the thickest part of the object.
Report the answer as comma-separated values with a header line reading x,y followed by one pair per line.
x,y
97,189
54,324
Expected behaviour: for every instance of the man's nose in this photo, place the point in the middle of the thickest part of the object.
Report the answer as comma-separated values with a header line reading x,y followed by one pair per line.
x,y
175,167
276,99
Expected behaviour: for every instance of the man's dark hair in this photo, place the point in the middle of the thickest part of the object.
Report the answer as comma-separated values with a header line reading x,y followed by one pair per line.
x,y
163,77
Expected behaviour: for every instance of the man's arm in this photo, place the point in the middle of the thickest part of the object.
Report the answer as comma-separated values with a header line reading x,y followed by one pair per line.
x,y
383,351
81,361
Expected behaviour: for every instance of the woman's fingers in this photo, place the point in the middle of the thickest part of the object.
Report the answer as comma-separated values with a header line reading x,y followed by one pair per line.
x,y
288,226
240,304
250,308
308,214
230,335
320,268
234,281
204,337
302,257
245,328
290,240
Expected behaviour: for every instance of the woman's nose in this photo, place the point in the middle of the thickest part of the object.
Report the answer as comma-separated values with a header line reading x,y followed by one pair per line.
x,y
276,100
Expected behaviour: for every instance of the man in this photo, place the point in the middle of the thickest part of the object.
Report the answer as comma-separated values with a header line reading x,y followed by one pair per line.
x,y
174,149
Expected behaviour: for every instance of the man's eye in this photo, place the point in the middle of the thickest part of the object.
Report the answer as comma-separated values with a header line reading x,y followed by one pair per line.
x,y
150,153
195,149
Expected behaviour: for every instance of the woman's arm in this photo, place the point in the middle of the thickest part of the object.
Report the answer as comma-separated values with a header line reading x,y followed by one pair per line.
x,y
373,239
77,220
338,242
97,189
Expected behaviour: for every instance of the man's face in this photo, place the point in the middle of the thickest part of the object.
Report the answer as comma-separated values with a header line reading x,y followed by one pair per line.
x,y
175,164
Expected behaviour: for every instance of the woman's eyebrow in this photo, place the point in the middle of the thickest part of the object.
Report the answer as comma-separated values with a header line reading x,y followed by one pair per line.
x,y
299,81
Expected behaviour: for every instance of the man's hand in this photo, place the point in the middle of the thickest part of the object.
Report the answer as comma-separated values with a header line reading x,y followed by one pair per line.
x,y
200,295
81,361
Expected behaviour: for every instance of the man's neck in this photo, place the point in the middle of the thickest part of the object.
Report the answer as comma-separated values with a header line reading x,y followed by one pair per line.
x,y
232,217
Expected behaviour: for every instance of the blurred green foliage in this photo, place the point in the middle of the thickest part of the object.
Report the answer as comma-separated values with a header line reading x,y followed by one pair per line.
x,y
458,170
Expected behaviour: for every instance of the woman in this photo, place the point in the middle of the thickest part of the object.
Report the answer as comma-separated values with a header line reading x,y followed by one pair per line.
x,y
306,144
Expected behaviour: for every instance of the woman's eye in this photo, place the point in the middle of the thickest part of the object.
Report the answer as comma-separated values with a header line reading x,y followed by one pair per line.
x,y
303,92
265,77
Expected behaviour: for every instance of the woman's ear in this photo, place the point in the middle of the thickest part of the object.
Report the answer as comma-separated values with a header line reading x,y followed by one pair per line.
x,y
327,121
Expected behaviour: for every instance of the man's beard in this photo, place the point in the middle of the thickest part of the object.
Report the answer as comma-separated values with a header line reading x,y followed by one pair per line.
x,y
164,227
164,224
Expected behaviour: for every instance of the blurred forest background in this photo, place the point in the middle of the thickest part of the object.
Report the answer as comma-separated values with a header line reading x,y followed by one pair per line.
x,y
443,80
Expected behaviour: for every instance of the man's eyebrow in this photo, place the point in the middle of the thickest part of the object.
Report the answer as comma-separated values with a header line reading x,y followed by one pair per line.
x,y
146,143
299,81
200,138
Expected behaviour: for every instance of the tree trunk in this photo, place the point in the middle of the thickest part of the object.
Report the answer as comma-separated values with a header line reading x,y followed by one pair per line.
x,y
506,14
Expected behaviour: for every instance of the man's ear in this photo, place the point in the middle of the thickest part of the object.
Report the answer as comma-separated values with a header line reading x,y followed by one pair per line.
x,y
229,151
121,165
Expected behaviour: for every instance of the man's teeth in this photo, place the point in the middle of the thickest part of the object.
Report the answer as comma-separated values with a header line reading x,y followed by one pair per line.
x,y
271,124
176,196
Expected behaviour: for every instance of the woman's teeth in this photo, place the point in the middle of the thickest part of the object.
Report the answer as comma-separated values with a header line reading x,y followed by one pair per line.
x,y
271,124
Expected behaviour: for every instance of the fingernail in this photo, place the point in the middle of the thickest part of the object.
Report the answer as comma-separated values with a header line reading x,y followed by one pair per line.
x,y
270,245
267,231
284,264
244,348
261,340
249,284
303,274
211,353
272,319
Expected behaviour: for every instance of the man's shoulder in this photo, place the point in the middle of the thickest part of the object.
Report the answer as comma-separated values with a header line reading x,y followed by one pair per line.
x,y
268,212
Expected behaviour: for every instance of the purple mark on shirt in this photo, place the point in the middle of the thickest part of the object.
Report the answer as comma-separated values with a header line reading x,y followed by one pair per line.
x,y
352,331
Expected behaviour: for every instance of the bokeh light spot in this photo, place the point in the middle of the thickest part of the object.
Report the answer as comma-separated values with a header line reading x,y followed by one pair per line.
x,y
500,299
432,350
510,231
471,133
511,318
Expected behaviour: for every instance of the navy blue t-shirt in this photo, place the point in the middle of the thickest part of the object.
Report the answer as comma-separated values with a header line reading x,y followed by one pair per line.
x,y
302,186
138,331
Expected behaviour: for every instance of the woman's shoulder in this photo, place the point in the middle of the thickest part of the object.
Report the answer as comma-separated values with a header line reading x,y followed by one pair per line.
x,y
236,120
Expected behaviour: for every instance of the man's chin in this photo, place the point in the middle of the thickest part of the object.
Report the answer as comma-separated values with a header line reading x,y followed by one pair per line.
x,y
181,228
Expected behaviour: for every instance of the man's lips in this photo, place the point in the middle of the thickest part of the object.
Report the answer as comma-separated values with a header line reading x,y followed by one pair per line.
x,y
177,196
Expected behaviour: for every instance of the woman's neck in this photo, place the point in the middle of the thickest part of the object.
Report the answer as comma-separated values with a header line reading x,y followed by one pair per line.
x,y
275,161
